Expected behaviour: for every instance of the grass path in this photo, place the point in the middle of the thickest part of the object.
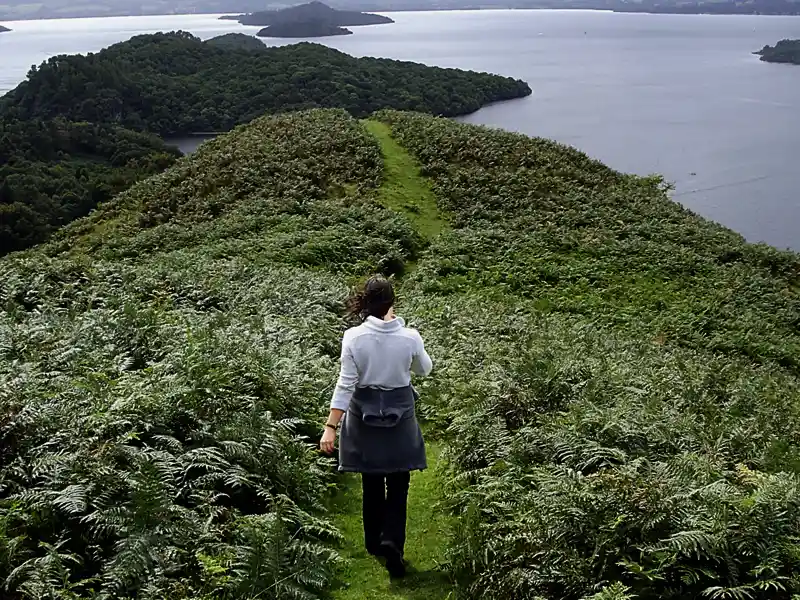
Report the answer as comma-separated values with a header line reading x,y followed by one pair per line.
x,y
404,189
363,577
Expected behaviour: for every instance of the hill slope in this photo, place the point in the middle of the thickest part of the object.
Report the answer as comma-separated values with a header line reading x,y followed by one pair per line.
x,y
174,84
53,172
237,41
616,380
313,11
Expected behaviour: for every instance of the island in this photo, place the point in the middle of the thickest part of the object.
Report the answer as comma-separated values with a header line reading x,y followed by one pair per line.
x,y
237,41
303,29
785,51
308,15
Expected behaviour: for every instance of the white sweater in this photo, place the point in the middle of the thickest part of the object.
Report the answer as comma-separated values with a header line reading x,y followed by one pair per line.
x,y
380,354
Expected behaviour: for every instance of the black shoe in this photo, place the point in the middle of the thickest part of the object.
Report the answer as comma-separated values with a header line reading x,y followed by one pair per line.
x,y
394,560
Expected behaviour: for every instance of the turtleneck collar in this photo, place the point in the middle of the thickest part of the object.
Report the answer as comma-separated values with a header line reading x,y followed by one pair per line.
x,y
377,324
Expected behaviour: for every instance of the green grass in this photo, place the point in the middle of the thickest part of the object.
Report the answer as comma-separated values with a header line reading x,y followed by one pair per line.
x,y
363,577
404,189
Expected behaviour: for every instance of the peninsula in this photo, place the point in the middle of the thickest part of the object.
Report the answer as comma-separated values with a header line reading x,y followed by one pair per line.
x,y
303,29
785,51
308,15
4,29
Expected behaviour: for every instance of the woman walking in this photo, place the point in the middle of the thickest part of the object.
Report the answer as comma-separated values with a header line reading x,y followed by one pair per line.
x,y
374,402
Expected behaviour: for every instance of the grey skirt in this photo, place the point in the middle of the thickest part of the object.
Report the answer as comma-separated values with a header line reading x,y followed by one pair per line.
x,y
380,433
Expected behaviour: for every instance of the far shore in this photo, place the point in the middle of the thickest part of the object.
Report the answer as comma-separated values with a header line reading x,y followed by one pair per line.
x,y
17,19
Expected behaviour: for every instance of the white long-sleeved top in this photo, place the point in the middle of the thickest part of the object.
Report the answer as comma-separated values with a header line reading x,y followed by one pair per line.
x,y
380,354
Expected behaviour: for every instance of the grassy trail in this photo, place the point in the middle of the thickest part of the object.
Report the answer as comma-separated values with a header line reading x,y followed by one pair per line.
x,y
404,189
363,577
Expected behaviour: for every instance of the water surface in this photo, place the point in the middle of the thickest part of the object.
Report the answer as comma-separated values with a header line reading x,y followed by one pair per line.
x,y
680,95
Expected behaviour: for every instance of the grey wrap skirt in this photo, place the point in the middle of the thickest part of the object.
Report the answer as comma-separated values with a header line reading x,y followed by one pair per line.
x,y
380,433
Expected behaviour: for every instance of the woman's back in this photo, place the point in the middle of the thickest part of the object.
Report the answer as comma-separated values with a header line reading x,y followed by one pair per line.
x,y
380,354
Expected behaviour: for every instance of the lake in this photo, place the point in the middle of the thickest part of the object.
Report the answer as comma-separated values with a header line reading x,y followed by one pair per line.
x,y
679,95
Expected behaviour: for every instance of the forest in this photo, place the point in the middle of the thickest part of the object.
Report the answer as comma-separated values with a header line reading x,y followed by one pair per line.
x,y
785,51
57,167
616,380
174,84
56,171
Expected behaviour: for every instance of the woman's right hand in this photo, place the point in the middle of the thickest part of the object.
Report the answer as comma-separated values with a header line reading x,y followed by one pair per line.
x,y
328,440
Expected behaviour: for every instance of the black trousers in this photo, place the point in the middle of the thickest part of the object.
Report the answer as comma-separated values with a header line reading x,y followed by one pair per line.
x,y
384,509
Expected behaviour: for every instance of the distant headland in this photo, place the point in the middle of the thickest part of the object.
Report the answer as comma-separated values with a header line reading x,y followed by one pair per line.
x,y
303,29
785,51
311,15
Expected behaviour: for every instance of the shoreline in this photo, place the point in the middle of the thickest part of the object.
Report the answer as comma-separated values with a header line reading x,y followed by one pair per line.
x,y
403,11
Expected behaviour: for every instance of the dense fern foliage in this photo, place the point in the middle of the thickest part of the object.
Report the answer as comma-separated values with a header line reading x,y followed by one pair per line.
x,y
173,84
618,377
164,362
53,172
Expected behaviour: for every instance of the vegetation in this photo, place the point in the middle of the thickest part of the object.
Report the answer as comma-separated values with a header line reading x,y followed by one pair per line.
x,y
304,29
53,172
619,378
785,51
617,389
162,371
312,11
175,84
237,41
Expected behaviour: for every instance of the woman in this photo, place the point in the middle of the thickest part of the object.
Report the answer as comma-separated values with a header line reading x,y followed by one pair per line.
x,y
374,401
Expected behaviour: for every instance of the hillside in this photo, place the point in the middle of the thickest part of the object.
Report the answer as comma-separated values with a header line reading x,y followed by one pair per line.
x,y
616,387
312,11
53,172
304,29
237,41
785,51
173,84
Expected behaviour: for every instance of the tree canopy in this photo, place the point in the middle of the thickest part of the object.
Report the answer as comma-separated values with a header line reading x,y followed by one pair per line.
x,y
785,51
303,29
55,171
174,84
237,41
57,167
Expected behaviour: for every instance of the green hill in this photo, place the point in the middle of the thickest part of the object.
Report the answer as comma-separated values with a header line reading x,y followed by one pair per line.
x,y
314,12
174,84
237,41
616,392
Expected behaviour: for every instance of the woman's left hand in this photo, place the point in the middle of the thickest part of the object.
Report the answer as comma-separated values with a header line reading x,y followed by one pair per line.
x,y
326,444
